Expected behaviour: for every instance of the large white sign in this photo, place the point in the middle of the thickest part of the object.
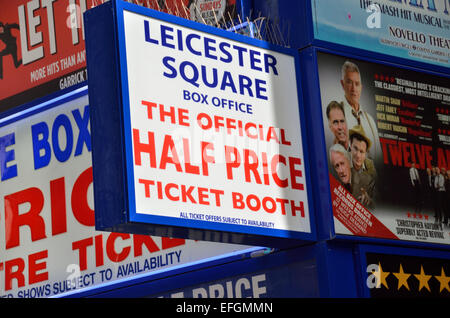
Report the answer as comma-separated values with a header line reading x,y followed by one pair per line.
x,y
214,130
48,245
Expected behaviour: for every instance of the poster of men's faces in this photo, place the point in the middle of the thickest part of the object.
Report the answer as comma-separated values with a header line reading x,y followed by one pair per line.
x,y
387,134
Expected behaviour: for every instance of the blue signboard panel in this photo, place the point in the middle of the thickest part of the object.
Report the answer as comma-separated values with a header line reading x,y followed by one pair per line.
x,y
324,269
263,273
417,30
413,31
197,132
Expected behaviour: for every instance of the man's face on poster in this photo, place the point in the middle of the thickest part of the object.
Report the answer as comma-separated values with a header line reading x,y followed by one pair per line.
x,y
352,87
338,125
359,150
342,166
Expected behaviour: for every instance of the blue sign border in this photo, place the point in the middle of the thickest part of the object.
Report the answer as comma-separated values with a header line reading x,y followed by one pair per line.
x,y
119,213
349,25
42,104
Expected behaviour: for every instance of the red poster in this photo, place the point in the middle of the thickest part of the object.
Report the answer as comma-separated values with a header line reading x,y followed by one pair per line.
x,y
41,48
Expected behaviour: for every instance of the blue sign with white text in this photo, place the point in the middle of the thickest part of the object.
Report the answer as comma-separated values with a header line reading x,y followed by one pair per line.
x,y
297,279
415,29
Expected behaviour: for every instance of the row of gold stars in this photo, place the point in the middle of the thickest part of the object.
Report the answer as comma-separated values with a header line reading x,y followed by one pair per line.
x,y
402,278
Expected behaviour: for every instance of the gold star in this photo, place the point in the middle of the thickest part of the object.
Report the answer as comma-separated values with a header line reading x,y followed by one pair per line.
x,y
402,278
443,280
423,279
381,277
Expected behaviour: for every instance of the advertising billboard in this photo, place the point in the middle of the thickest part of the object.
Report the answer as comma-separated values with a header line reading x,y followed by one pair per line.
x,y
387,134
212,133
416,29
48,242
42,48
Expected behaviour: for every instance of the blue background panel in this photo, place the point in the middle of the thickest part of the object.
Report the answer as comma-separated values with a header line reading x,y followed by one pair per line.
x,y
287,274
325,270
105,116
